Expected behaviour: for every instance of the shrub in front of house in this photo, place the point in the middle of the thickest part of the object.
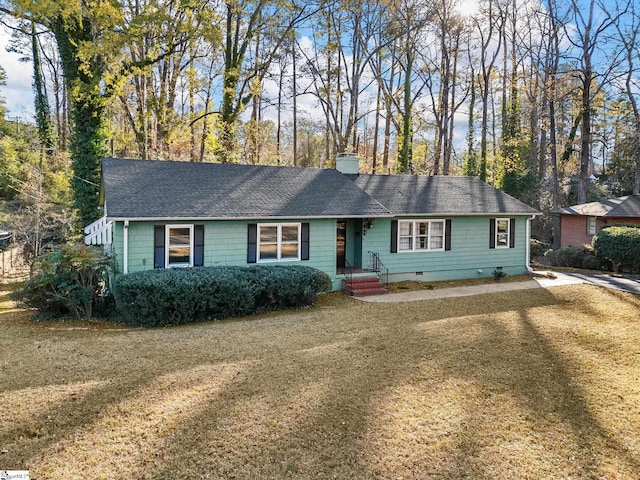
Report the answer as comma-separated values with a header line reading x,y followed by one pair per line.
x,y
69,281
278,287
577,257
566,257
619,244
164,297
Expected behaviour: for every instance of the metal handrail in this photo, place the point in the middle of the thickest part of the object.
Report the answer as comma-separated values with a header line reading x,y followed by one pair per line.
x,y
379,267
348,272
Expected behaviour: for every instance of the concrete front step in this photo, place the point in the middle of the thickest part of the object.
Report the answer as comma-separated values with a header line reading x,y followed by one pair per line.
x,y
360,287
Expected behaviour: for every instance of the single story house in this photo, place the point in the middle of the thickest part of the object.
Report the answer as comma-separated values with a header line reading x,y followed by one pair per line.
x,y
579,223
164,214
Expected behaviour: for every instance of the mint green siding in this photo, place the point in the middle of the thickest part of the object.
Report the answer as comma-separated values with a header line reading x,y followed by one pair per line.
x,y
469,257
469,252
225,243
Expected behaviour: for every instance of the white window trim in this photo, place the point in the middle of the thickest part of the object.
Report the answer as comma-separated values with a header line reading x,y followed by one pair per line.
x,y
595,225
167,245
415,236
508,245
279,242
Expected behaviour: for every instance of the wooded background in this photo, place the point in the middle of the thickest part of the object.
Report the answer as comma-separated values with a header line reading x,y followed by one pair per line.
x,y
539,98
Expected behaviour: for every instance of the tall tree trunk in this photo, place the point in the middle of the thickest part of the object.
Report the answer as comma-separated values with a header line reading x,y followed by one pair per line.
x,y
231,75
629,39
87,107
193,151
471,167
487,59
543,130
453,108
484,128
43,112
355,80
405,154
254,140
585,137
279,114
295,102
389,112
374,154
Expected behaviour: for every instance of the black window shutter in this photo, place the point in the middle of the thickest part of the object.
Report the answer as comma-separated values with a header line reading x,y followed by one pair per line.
x,y
512,233
198,245
492,233
394,236
447,234
158,246
304,234
252,242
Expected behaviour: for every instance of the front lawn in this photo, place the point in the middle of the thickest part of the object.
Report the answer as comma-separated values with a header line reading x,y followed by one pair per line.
x,y
526,384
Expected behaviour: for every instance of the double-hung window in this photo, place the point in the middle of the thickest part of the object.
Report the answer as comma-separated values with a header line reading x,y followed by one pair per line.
x,y
278,242
421,235
591,225
179,246
503,232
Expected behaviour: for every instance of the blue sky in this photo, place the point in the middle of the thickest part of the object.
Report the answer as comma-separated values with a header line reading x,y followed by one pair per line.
x,y
17,92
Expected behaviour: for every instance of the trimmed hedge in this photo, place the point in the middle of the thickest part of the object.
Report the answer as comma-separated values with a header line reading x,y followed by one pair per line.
x,y
620,244
156,298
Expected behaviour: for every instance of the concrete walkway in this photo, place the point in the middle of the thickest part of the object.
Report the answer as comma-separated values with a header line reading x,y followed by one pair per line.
x,y
560,279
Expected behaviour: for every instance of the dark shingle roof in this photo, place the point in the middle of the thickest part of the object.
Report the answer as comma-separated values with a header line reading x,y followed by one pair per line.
x,y
181,190
143,189
628,206
440,195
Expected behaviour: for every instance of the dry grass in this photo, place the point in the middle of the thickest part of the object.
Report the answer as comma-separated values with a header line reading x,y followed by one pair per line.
x,y
527,384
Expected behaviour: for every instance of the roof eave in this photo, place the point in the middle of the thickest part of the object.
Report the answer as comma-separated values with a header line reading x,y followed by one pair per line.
x,y
120,218
462,214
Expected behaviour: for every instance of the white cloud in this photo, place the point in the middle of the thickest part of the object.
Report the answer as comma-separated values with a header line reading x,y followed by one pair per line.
x,y
18,92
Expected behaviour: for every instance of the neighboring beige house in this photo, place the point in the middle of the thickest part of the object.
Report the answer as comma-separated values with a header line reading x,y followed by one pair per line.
x,y
579,223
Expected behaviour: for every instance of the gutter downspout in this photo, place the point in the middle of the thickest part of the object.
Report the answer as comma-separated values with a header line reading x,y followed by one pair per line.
x,y
125,247
528,244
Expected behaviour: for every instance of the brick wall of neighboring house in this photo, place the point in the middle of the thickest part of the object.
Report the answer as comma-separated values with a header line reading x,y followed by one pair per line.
x,y
573,228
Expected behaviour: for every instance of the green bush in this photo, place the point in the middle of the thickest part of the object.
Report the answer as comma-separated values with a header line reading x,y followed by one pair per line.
x,y
163,297
571,257
538,248
593,262
620,244
70,281
577,257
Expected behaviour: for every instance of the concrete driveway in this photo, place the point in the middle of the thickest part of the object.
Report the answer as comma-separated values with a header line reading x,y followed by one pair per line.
x,y
626,283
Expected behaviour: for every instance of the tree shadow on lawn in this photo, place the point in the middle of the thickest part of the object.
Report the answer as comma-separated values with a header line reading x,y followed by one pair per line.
x,y
532,366
390,391
26,442
601,335
361,408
